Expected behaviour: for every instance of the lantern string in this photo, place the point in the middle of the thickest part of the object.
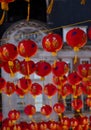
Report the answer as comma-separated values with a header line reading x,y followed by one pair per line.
x,y
53,29
28,10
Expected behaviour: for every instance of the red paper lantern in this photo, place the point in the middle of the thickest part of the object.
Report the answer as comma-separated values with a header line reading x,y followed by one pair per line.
x,y
76,38
8,1
2,83
52,43
36,89
59,81
9,52
77,104
87,91
14,114
30,110
43,68
83,120
9,89
59,108
82,71
7,123
20,91
74,78
89,33
65,122
46,110
74,122
52,125
60,68
33,126
13,68
50,90
88,102
16,127
24,84
27,48
42,125
27,67
65,90
24,125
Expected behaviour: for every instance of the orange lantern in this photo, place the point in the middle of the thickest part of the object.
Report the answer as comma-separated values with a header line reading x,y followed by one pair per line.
x,y
27,48
52,43
77,104
9,89
46,110
36,89
2,83
30,110
27,67
76,38
60,68
14,115
43,68
33,126
24,84
59,108
50,90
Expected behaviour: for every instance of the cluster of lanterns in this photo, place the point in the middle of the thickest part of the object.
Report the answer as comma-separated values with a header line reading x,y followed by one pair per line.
x,y
64,83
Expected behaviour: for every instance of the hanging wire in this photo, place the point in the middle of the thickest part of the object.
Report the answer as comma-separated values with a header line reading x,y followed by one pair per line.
x,y
55,28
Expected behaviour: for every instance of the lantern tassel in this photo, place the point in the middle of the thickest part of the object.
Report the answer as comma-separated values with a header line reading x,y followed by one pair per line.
x,y
83,2
28,10
50,6
2,18
10,63
76,49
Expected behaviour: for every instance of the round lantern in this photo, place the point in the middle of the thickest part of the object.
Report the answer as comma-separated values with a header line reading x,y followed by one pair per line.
x,y
27,67
88,102
77,104
52,43
20,92
59,108
24,84
82,71
16,127
59,81
36,89
24,125
60,68
50,90
74,78
87,90
52,125
9,52
76,38
7,123
83,120
42,125
65,122
33,126
13,68
2,83
30,110
14,115
27,48
74,122
89,33
43,68
46,110
9,89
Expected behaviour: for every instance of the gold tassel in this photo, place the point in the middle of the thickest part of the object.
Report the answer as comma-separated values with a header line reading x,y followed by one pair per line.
x,y
50,6
28,10
83,2
2,18
76,49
